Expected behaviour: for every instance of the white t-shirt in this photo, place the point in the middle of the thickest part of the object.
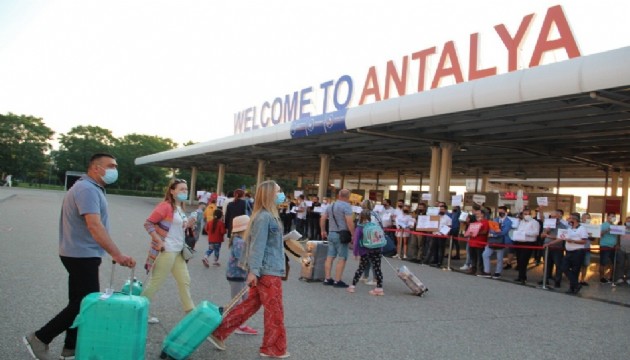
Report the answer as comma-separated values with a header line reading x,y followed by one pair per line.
x,y
576,234
386,216
446,220
302,210
205,197
174,241
404,221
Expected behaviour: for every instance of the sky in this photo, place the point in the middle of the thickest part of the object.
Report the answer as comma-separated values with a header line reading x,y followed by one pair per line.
x,y
182,69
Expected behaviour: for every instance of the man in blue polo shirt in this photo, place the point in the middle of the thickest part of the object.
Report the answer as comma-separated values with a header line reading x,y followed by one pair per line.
x,y
340,218
83,240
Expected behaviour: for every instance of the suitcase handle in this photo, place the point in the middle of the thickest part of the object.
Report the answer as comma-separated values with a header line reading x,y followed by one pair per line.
x,y
233,302
110,290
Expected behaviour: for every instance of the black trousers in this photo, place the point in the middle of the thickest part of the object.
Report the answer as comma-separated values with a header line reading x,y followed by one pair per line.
x,y
522,258
571,265
82,280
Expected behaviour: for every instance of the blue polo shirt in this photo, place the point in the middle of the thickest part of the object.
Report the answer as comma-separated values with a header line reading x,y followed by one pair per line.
x,y
608,239
85,197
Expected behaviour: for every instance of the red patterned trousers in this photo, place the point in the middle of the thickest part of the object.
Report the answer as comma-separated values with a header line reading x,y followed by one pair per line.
x,y
267,293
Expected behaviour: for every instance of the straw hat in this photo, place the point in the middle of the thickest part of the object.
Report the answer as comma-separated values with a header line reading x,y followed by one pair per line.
x,y
240,223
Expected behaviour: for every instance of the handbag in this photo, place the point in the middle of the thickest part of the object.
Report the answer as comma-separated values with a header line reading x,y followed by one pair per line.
x,y
188,252
344,235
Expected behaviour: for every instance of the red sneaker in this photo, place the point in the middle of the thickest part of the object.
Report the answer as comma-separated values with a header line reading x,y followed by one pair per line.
x,y
246,330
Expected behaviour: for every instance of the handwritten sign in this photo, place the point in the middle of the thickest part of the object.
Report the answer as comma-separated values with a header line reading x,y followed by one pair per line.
x,y
479,199
426,197
549,224
542,201
456,200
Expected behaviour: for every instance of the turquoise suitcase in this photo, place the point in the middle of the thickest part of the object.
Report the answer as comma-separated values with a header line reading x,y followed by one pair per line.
x,y
194,328
112,326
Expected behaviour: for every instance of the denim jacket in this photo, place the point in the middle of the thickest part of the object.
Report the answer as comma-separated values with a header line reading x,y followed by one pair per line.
x,y
265,246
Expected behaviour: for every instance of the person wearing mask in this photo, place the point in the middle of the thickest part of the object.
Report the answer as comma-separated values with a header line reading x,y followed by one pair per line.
x,y
623,256
404,223
574,244
300,217
439,243
264,260
83,240
556,253
455,214
585,219
417,241
478,241
528,230
313,220
501,236
607,243
167,226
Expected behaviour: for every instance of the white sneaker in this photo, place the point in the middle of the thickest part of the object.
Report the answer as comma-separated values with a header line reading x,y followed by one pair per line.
x,y
396,257
153,320
363,279
465,267
628,281
371,282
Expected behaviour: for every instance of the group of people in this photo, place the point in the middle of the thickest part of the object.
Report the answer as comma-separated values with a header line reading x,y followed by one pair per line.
x,y
257,257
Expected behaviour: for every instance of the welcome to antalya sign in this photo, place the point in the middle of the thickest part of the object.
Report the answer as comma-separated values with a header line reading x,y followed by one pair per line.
x,y
337,96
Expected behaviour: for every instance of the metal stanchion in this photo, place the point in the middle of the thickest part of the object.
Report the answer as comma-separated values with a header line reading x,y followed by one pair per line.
x,y
450,250
614,284
544,284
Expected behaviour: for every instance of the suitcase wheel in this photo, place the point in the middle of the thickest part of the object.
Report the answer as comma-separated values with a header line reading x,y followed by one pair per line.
x,y
163,355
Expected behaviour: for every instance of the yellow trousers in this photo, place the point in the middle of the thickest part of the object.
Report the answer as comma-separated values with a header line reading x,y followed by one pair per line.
x,y
170,262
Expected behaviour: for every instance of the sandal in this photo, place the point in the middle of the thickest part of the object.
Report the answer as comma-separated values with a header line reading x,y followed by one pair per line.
x,y
376,292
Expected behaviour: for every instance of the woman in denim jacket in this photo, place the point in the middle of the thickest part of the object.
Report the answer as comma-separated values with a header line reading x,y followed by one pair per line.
x,y
265,262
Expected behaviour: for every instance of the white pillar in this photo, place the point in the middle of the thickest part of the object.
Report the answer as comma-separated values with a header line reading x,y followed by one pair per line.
x,y
399,183
260,176
484,183
434,175
192,190
342,181
324,170
446,163
614,185
220,178
625,186
299,182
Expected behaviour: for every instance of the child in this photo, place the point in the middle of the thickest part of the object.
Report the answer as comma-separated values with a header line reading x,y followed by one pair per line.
x,y
368,256
235,274
404,223
216,230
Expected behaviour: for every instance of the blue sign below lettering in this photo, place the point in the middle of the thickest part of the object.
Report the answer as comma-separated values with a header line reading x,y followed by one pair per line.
x,y
320,124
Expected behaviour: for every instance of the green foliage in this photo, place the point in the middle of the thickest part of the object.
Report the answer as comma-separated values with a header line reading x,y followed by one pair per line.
x,y
146,178
78,145
23,146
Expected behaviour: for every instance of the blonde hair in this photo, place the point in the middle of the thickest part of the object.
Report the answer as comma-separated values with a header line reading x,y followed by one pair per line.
x,y
265,199
366,216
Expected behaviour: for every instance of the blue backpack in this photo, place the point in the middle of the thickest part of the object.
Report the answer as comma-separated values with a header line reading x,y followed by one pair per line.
x,y
373,236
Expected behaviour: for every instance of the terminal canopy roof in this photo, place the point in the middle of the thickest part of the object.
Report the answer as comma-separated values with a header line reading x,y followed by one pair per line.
x,y
571,117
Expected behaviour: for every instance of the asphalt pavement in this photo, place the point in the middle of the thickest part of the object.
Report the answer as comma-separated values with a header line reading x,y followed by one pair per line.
x,y
461,317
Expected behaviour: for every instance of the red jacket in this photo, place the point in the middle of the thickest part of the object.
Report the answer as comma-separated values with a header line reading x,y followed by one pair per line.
x,y
481,239
217,235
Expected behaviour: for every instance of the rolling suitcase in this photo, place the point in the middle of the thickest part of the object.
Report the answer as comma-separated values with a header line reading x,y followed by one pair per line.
x,y
314,261
194,328
112,325
413,283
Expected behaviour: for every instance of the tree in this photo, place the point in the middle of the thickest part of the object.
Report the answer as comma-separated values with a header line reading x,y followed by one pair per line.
x,y
148,178
78,145
23,146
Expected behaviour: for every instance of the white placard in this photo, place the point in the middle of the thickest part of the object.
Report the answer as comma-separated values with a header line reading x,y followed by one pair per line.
x,y
515,221
433,210
593,230
378,208
463,217
308,203
617,229
318,209
456,200
563,234
549,224
479,199
445,230
293,210
220,200
426,197
297,193
423,222
518,235
357,209
542,201
293,235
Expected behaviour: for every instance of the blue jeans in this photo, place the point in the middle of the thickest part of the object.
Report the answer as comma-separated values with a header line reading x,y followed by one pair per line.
x,y
214,247
487,253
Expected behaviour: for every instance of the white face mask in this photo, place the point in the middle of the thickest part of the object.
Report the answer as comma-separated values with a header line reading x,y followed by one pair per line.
x,y
613,220
527,217
587,221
